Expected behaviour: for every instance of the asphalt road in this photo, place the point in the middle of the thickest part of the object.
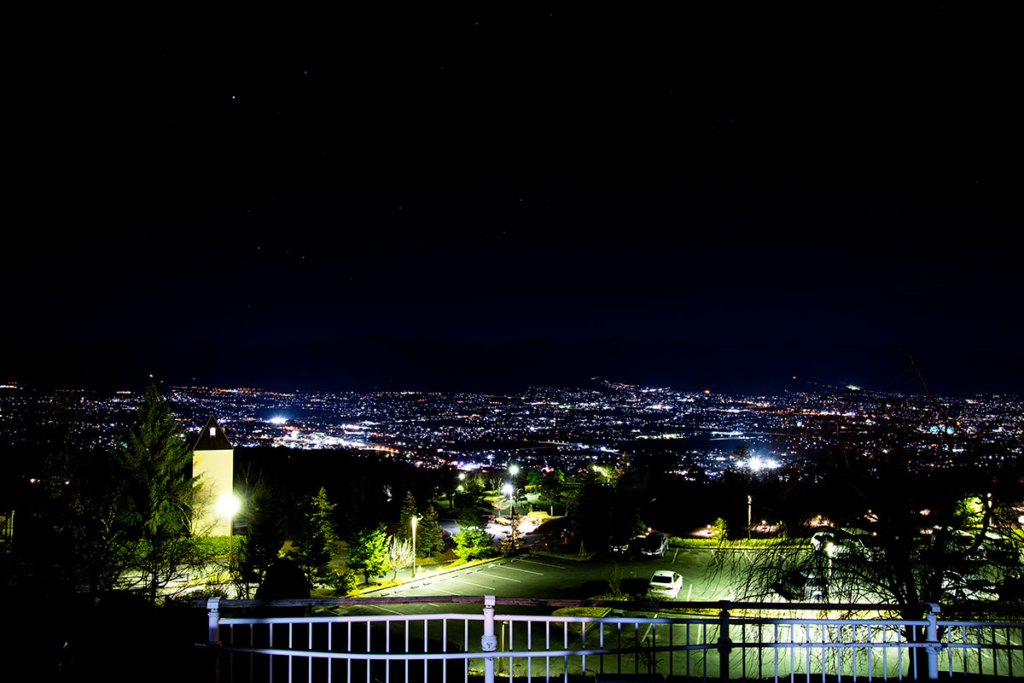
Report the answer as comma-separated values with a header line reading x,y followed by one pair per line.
x,y
539,576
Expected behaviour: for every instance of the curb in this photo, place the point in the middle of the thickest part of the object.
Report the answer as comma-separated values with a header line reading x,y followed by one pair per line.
x,y
425,581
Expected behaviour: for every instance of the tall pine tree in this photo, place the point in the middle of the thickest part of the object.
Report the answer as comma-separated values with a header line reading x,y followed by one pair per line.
x,y
316,542
408,512
472,541
429,536
160,499
368,551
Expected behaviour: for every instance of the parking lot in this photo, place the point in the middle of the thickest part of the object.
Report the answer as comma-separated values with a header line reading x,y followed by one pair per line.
x,y
541,576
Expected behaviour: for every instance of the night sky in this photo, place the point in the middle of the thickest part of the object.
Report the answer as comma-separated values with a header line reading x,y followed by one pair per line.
x,y
721,197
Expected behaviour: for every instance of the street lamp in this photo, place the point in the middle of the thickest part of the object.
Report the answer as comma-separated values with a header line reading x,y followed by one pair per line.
x,y
508,489
227,506
413,546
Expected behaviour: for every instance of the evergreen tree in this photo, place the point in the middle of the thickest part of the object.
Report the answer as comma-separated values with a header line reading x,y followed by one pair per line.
x,y
315,544
160,500
408,512
368,551
472,541
429,537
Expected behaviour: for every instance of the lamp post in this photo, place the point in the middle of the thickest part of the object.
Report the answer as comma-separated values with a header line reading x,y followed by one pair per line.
x,y
227,506
513,470
413,546
508,489
750,503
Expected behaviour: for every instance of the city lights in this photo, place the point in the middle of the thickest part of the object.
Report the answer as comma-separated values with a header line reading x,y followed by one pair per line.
x,y
758,464
566,429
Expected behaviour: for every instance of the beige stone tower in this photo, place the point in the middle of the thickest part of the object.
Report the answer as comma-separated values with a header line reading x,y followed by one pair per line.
x,y
213,460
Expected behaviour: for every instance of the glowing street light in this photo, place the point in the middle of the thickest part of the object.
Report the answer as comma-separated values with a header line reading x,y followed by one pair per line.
x,y
507,489
513,470
227,506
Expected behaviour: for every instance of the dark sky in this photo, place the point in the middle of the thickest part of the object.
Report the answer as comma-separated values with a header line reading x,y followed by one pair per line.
x,y
315,196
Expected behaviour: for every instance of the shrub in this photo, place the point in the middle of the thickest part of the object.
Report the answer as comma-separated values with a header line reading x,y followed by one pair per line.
x,y
345,580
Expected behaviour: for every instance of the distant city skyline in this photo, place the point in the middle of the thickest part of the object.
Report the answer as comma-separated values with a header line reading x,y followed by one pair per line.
x,y
602,423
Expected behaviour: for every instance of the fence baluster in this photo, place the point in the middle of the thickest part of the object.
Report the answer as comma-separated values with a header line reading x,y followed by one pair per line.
x,y
842,636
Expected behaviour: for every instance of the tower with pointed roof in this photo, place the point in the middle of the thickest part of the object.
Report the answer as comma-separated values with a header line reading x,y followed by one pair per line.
x,y
213,460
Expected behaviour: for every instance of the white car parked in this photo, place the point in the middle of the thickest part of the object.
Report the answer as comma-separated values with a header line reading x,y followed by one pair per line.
x,y
665,584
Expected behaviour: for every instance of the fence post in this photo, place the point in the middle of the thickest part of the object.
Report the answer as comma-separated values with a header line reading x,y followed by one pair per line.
x,y
931,639
213,636
724,643
489,642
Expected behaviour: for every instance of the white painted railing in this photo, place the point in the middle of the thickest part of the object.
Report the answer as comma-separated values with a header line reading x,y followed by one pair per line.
x,y
735,640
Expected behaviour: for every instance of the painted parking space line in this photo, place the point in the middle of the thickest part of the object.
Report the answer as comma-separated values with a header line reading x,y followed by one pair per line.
x,y
648,631
470,583
495,576
387,610
513,569
544,564
432,589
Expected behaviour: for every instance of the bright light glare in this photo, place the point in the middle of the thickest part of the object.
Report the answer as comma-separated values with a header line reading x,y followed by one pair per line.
x,y
507,489
228,505
277,420
757,464
513,470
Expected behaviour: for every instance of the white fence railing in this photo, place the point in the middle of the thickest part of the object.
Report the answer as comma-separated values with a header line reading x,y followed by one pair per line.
x,y
735,640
